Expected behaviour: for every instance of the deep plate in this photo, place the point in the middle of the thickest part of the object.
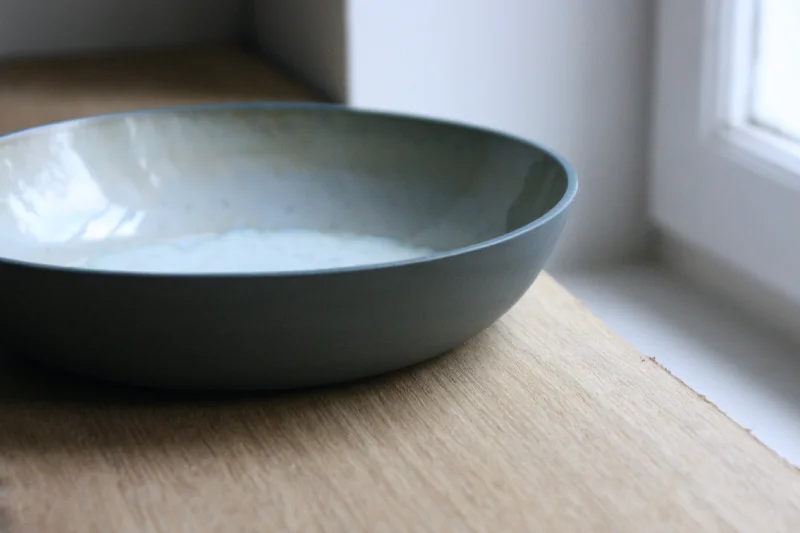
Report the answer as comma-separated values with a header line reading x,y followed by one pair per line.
x,y
490,206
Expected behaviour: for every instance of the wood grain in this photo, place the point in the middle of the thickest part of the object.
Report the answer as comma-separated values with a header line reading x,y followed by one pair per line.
x,y
545,422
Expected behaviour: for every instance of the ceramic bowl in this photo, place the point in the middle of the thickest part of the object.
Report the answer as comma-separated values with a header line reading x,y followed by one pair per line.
x,y
475,214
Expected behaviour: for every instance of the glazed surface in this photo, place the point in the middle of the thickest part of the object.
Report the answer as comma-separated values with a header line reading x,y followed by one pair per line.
x,y
103,186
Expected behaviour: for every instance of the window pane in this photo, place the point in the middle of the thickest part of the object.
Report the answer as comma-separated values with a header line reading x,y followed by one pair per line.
x,y
776,87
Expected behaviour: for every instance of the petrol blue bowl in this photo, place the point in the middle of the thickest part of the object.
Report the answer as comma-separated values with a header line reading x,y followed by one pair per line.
x,y
477,212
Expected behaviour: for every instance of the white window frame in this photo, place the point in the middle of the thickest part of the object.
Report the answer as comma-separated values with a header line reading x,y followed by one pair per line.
x,y
719,183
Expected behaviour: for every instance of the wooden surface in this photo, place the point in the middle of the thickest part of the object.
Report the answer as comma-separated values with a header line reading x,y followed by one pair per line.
x,y
36,92
545,422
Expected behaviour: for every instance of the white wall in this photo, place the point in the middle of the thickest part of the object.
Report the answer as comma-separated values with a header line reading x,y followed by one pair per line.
x,y
571,74
32,27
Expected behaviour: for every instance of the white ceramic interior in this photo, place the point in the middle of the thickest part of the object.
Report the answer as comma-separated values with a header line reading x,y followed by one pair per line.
x,y
94,186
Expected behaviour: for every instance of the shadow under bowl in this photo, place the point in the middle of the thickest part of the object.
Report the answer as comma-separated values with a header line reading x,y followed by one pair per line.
x,y
481,211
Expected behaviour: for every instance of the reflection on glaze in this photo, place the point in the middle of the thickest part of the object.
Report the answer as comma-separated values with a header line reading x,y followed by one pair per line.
x,y
62,200
73,191
249,250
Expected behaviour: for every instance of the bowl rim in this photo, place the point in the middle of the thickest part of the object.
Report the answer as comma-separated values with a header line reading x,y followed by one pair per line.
x,y
564,202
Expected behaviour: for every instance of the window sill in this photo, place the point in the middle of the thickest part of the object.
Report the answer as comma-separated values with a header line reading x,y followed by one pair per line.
x,y
748,370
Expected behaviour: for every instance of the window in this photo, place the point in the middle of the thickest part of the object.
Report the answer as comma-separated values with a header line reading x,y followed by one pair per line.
x,y
775,103
726,137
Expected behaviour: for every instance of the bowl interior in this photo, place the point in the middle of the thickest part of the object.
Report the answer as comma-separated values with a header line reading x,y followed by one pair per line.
x,y
74,190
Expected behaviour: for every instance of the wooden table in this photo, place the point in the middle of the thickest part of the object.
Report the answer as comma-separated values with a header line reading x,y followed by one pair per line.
x,y
545,422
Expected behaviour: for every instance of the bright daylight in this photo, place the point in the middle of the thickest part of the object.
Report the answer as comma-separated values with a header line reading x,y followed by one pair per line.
x,y
776,79
400,266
